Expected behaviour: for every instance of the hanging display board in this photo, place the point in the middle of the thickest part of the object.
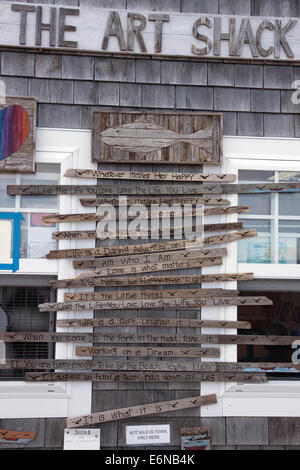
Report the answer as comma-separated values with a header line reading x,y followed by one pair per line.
x,y
167,138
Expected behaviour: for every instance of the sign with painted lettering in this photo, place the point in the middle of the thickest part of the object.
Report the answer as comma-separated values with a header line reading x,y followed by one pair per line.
x,y
172,34
82,439
148,434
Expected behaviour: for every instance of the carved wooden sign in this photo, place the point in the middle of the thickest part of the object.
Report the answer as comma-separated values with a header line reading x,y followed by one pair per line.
x,y
17,135
149,352
172,303
127,249
149,280
140,188
144,258
149,33
146,377
87,234
190,339
154,267
137,364
148,200
155,214
141,410
139,137
149,294
151,322
149,176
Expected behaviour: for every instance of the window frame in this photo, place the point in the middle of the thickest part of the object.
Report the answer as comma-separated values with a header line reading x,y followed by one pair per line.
x,y
19,399
279,398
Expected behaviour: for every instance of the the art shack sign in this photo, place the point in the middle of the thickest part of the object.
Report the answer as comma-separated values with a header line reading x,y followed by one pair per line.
x,y
154,33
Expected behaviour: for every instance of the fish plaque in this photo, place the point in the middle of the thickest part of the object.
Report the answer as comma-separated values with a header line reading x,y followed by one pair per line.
x,y
17,135
193,138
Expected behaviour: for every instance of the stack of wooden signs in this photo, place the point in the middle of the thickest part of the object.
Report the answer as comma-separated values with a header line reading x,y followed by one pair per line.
x,y
139,272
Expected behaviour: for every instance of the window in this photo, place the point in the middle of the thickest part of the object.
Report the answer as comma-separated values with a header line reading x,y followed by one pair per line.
x,y
36,235
282,318
19,312
275,216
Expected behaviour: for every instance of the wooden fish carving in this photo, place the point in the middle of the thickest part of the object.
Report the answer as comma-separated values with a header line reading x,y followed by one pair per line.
x,y
145,137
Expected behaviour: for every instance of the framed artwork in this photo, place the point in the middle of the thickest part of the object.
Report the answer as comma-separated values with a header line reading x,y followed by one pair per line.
x,y
17,135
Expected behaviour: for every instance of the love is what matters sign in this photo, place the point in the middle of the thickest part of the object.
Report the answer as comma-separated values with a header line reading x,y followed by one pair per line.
x,y
172,34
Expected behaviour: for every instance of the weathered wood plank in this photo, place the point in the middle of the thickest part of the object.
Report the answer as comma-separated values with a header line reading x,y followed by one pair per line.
x,y
180,189
106,338
154,304
149,294
138,259
149,175
156,247
149,280
149,200
153,267
180,365
141,410
146,377
153,213
151,322
87,234
149,137
149,352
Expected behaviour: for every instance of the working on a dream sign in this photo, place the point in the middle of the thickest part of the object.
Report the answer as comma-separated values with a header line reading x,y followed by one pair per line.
x,y
155,33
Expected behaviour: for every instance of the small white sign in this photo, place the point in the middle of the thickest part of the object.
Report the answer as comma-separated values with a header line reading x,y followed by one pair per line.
x,y
82,439
148,434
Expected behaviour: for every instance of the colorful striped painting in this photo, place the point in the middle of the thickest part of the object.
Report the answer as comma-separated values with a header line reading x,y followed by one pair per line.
x,y
14,129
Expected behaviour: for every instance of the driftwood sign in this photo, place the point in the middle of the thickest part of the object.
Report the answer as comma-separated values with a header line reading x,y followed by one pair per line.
x,y
17,135
149,137
145,377
162,257
154,304
149,294
123,250
151,322
149,200
115,250
180,365
149,352
88,234
155,214
149,176
127,338
155,189
141,410
149,280
153,267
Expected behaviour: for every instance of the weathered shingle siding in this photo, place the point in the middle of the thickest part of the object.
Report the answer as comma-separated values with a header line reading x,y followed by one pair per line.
x,y
63,80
